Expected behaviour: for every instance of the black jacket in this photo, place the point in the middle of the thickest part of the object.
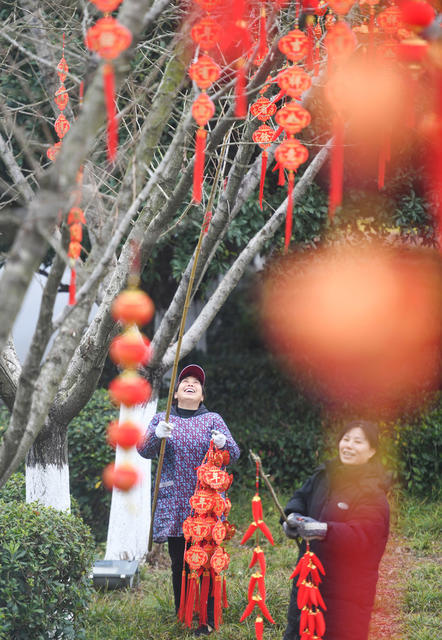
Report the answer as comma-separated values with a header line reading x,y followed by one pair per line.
x,y
352,500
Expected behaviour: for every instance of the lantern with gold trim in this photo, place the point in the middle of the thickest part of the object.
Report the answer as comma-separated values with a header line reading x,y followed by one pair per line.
x,y
263,136
109,38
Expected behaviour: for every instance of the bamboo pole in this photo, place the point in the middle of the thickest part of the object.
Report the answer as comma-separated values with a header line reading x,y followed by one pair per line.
x,y
203,230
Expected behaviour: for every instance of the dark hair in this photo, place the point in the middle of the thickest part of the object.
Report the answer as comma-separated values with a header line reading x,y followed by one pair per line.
x,y
370,429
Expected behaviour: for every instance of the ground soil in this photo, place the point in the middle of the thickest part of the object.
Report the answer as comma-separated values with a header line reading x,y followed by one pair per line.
x,y
386,620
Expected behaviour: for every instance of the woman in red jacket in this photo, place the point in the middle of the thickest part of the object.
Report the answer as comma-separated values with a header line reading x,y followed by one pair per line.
x,y
342,508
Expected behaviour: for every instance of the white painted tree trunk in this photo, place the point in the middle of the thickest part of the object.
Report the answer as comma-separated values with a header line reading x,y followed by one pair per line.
x,y
129,520
49,485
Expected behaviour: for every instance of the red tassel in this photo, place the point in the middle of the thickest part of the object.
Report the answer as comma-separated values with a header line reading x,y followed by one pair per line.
x,y
225,602
281,176
72,287
182,597
311,46
240,92
316,59
198,169
289,214
109,96
190,600
217,602
259,628
264,157
197,596
205,585
262,33
336,167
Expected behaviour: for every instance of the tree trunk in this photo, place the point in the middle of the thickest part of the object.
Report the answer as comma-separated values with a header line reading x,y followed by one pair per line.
x,y
47,468
129,520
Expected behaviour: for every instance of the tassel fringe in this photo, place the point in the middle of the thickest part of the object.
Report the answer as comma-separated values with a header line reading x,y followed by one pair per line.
x,y
109,96
198,170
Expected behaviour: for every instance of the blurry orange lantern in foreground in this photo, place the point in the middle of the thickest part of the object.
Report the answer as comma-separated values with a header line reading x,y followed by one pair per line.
x,y
365,321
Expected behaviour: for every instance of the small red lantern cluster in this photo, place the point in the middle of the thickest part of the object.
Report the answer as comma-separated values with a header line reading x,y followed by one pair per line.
x,y
256,593
205,530
61,99
108,38
76,220
130,350
310,601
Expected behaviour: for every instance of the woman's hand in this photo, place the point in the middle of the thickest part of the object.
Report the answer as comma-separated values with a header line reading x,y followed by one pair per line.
x,y
164,429
218,439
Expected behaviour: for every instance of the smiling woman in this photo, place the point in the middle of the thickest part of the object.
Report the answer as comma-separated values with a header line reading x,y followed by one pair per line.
x,y
189,432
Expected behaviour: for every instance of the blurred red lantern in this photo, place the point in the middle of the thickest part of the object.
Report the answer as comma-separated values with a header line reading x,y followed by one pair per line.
x,y
74,250
341,7
130,349
61,97
125,434
133,306
263,136
61,126
340,42
123,477
294,45
263,109
294,81
416,13
53,150
208,5
108,38
413,50
129,389
76,232
106,5
206,33
204,72
365,321
203,109
62,69
76,215
390,20
293,117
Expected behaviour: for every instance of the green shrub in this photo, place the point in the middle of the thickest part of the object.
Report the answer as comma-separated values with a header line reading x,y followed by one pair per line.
x,y
14,489
89,453
46,556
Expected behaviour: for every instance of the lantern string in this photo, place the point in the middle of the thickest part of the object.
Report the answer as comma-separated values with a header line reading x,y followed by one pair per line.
x,y
109,96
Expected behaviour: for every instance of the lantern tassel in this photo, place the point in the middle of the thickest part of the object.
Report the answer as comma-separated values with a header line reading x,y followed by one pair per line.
x,y
190,600
289,214
316,59
311,46
225,601
109,96
240,92
217,602
205,585
182,597
72,287
264,157
336,167
198,169
262,33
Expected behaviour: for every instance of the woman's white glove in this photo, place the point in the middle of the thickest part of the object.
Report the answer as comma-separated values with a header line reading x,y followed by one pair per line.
x,y
218,439
163,429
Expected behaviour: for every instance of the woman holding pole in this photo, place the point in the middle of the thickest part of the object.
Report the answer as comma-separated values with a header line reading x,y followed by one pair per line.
x,y
343,510
188,433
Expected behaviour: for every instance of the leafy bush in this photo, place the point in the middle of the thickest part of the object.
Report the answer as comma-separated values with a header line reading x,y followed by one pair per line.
x,y
89,453
45,562
14,489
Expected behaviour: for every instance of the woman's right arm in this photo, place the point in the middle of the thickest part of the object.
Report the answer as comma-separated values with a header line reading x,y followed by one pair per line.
x,y
149,446
298,502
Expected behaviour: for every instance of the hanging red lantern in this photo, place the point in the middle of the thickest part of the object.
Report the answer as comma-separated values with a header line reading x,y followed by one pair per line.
x,y
340,42
123,477
53,150
293,117
61,97
195,557
206,33
294,81
204,72
129,389
202,501
133,306
390,20
124,434
263,109
76,215
264,137
106,6
130,349
294,45
62,69
61,126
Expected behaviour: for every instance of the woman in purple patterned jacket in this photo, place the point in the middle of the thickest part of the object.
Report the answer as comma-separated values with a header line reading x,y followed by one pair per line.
x,y
189,431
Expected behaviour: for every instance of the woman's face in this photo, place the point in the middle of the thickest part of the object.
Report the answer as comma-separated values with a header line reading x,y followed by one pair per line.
x,y
354,448
189,393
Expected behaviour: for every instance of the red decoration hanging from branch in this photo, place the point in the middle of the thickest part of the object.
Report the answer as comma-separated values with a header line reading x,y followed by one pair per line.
x,y
61,99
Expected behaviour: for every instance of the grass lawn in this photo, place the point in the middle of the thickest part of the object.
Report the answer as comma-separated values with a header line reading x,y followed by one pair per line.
x,y
146,613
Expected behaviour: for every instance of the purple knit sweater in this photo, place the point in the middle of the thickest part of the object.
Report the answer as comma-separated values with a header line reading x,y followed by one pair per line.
x,y
184,452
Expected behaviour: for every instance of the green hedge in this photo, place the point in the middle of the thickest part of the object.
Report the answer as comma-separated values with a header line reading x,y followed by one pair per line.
x,y
89,453
46,557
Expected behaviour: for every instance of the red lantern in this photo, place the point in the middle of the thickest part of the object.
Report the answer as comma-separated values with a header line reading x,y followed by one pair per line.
x,y
340,41
263,109
263,136
390,20
133,307
76,215
203,109
106,6
61,126
219,560
53,150
129,389
62,69
108,38
294,45
61,97
218,532
74,250
126,434
123,477
130,350
417,14
216,478
206,33
294,81
204,72
341,7
293,117
202,501
76,232
195,557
